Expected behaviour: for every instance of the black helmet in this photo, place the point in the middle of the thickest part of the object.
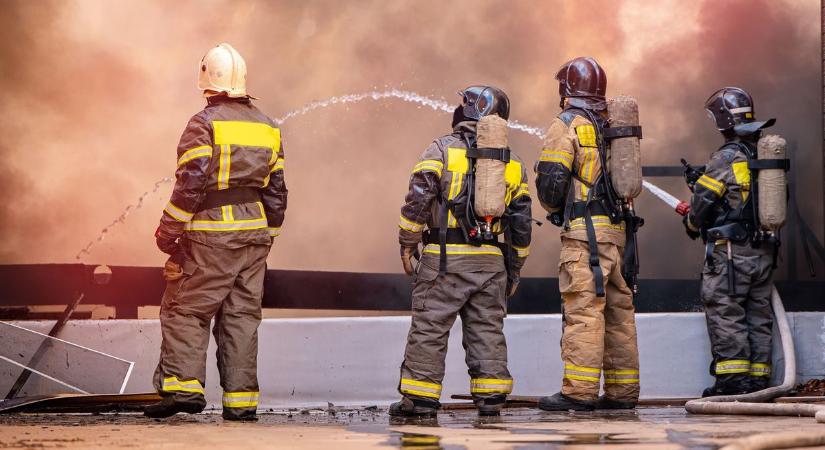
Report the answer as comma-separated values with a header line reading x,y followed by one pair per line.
x,y
583,83
480,101
731,108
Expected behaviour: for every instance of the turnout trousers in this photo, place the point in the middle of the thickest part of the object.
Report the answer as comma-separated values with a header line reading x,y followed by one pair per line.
x,y
599,333
739,323
227,285
479,298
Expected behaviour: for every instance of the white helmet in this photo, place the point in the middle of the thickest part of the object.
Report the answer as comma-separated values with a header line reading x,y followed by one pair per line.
x,y
223,69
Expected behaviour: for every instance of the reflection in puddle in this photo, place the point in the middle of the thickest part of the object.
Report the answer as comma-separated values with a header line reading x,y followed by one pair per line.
x,y
420,441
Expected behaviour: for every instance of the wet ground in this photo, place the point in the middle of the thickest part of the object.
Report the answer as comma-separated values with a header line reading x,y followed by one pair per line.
x,y
341,429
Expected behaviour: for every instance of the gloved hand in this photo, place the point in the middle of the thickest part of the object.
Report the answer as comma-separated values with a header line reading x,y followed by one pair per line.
x,y
166,243
407,255
512,287
690,232
172,270
683,208
692,174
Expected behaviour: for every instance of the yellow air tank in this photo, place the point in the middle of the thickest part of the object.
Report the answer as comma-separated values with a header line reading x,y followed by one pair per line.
x,y
625,164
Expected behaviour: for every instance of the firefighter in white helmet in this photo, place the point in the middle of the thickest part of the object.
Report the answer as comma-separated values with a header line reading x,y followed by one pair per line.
x,y
226,208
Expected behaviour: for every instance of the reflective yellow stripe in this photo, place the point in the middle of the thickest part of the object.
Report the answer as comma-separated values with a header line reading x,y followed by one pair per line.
x,y
743,177
224,164
455,189
581,373
523,189
248,134
226,213
733,366
240,399
279,165
457,160
197,152
586,135
621,376
587,169
431,165
172,384
409,225
177,213
598,222
557,156
760,370
274,231
490,385
420,388
713,185
220,225
522,252
464,249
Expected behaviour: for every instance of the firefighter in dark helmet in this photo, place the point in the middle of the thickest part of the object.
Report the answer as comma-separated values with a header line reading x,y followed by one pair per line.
x,y
574,186
470,264
737,275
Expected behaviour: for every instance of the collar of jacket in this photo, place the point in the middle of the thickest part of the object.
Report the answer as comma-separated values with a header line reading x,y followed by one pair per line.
x,y
465,126
223,98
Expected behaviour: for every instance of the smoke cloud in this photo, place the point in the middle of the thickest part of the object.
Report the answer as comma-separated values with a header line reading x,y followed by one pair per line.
x,y
96,93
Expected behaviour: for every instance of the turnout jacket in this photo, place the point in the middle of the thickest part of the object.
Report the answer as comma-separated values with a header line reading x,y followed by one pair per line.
x,y
438,178
724,186
229,144
567,168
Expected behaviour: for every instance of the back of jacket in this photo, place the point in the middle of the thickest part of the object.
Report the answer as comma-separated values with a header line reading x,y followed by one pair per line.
x,y
440,177
230,144
570,155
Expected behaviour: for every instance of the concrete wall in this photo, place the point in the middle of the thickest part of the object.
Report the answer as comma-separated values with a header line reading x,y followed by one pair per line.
x,y
355,361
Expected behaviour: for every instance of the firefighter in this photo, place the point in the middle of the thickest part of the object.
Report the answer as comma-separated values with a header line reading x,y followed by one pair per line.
x,y
599,330
737,274
462,272
227,207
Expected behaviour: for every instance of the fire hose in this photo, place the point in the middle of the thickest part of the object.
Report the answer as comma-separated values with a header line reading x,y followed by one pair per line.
x,y
755,403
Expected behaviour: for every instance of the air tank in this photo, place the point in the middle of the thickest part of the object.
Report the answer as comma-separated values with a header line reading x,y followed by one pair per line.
x,y
772,191
625,163
490,185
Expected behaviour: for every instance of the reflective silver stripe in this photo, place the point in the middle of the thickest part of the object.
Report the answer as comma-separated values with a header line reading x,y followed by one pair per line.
x,y
621,376
491,385
235,225
760,370
240,399
522,252
177,213
172,384
743,109
464,249
420,388
733,366
582,373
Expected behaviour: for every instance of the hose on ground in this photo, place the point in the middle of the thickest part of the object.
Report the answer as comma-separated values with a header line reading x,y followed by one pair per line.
x,y
753,403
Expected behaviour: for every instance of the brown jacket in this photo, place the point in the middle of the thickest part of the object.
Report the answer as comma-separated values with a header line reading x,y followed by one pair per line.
x,y
229,144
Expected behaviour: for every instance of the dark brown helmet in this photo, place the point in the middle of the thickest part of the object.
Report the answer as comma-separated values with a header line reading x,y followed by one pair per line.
x,y
731,108
583,83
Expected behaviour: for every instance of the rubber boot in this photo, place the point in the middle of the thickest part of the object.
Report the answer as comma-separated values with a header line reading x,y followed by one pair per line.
x,y
561,402
607,403
733,384
168,408
490,406
758,384
245,416
414,407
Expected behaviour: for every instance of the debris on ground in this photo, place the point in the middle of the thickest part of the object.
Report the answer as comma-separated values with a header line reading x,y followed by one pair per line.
x,y
811,388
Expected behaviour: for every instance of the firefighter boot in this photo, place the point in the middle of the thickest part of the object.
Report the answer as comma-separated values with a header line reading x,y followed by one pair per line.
x,y
490,406
244,416
414,407
168,407
561,402
758,384
730,384
607,403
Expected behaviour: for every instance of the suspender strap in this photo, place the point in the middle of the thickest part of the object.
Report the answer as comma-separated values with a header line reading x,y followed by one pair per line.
x,y
501,154
598,276
442,238
231,196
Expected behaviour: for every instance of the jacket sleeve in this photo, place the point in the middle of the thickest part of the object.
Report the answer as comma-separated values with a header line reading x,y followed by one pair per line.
x,y
194,156
710,189
424,188
553,169
520,220
274,195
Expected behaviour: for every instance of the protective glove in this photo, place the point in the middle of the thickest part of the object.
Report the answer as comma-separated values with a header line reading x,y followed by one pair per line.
x,y
690,232
407,255
683,208
512,287
692,174
166,243
172,270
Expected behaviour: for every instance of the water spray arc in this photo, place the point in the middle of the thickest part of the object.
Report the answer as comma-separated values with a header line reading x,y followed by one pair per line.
x,y
438,105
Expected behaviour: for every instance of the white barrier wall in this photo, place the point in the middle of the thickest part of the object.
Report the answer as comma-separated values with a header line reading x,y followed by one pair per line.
x,y
355,361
